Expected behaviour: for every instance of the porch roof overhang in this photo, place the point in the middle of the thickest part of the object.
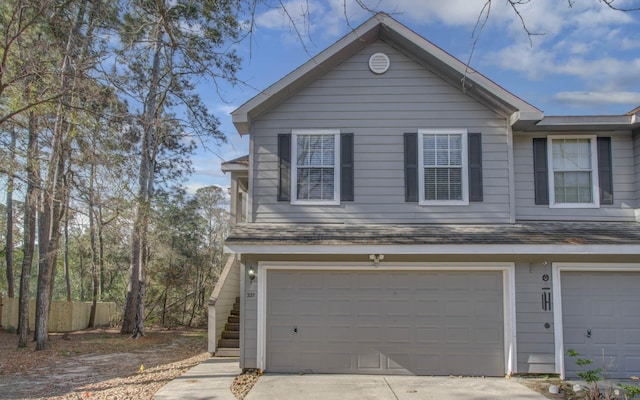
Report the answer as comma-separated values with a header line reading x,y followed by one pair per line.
x,y
237,164
584,238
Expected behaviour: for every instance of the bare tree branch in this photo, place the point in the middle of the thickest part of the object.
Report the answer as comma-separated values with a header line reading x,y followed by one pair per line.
x,y
611,5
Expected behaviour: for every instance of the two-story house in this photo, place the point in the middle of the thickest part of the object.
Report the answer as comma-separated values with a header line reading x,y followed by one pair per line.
x,y
400,213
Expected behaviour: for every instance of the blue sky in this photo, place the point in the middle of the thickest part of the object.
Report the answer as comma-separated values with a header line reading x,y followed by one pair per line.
x,y
585,60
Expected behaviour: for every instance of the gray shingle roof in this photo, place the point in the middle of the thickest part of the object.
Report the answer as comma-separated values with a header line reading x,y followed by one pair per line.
x,y
530,233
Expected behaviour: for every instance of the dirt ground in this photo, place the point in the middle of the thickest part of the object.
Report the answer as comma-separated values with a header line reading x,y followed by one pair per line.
x,y
102,364
98,364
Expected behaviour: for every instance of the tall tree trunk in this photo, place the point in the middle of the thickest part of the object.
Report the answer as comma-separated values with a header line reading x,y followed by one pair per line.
x,y
67,274
28,246
133,319
56,190
92,240
100,252
9,235
49,235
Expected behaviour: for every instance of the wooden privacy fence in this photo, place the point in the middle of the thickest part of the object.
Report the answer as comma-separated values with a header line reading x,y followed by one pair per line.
x,y
64,317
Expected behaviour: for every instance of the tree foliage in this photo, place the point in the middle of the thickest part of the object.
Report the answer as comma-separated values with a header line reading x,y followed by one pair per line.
x,y
98,116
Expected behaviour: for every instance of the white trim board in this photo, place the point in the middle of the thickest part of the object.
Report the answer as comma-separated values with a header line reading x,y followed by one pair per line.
x,y
556,269
508,284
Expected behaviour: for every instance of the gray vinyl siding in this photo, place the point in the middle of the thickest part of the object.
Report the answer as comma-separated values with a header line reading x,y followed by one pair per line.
x,y
535,342
636,167
624,184
378,110
249,320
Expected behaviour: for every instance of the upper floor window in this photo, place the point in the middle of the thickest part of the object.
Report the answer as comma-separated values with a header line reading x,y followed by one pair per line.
x,y
315,170
443,172
573,171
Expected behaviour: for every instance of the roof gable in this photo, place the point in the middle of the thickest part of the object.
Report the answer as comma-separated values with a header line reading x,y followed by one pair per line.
x,y
383,27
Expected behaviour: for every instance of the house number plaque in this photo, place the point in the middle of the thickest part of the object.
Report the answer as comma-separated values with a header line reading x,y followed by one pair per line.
x,y
251,294
546,294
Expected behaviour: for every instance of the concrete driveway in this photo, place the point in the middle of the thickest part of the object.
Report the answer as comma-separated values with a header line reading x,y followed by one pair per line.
x,y
374,387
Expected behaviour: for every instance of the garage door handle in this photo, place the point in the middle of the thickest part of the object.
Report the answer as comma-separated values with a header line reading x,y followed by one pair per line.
x,y
588,333
295,329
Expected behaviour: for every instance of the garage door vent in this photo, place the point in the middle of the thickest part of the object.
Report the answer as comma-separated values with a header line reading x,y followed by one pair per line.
x,y
379,63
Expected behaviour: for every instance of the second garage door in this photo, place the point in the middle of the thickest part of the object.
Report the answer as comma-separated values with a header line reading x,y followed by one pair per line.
x,y
600,318
404,322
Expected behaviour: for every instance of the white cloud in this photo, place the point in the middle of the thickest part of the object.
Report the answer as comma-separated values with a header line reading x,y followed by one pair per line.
x,y
226,108
582,98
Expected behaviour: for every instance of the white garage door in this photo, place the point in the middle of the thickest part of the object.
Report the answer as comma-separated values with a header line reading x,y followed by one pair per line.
x,y
403,322
601,321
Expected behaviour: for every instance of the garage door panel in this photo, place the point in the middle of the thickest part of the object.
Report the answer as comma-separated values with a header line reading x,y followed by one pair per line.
x,y
488,308
398,362
603,337
371,360
632,365
398,307
427,308
488,335
632,336
427,334
606,305
368,281
387,322
312,280
336,361
457,308
603,307
398,281
631,309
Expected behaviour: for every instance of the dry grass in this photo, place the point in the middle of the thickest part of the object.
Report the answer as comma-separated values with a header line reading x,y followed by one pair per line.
x,y
98,364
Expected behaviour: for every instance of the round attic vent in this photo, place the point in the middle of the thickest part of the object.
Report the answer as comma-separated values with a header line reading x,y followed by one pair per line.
x,y
379,63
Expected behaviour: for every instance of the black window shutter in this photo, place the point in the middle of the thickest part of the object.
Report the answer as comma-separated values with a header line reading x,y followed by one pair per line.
x,y
346,166
540,171
605,175
284,167
411,167
475,166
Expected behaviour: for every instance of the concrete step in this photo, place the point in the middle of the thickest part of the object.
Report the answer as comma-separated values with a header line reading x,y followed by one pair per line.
x,y
229,343
230,326
235,313
231,334
227,352
234,319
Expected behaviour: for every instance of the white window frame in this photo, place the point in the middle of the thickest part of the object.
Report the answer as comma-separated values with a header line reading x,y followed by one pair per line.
x,y
294,166
465,169
595,185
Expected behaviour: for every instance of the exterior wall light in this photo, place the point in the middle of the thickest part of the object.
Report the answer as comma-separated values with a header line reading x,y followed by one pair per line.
x,y
252,274
376,258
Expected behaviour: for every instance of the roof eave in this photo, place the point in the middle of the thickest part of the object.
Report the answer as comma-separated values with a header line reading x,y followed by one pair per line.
x,y
440,249
233,167
588,123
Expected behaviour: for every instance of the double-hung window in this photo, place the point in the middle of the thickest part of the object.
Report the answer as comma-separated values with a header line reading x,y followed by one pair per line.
x,y
573,171
315,167
443,172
